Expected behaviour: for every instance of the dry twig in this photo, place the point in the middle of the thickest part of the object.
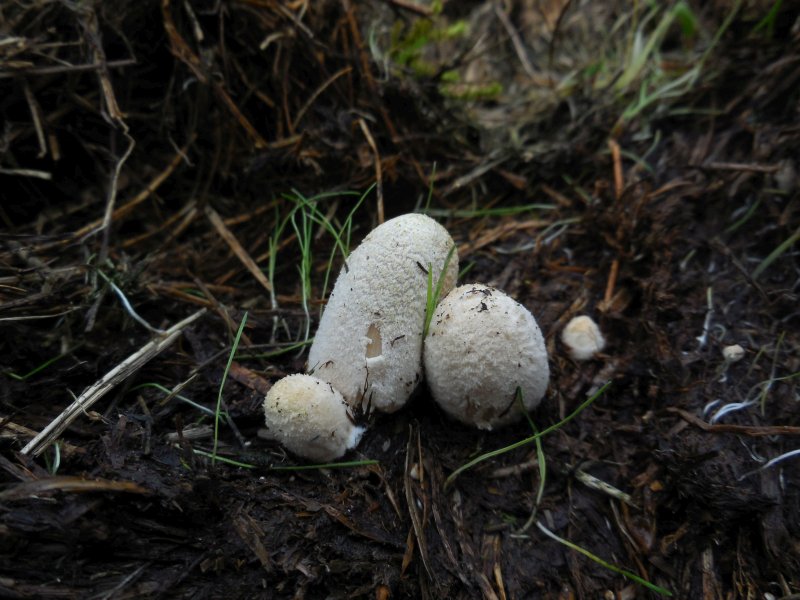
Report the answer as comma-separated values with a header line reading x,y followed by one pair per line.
x,y
106,383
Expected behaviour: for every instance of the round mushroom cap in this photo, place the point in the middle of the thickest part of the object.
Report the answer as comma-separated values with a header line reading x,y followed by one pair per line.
x,y
733,353
369,340
582,338
310,418
481,346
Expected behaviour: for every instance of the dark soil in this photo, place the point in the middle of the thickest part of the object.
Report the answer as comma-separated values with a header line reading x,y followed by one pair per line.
x,y
691,247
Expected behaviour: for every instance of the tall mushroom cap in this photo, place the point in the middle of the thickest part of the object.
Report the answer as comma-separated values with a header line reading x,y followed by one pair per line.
x,y
481,346
369,340
310,418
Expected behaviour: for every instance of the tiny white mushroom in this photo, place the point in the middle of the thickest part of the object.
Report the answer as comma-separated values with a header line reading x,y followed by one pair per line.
x,y
582,338
733,353
369,340
730,354
481,346
310,418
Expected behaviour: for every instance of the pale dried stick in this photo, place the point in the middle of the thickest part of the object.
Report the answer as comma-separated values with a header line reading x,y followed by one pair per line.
x,y
106,383
242,254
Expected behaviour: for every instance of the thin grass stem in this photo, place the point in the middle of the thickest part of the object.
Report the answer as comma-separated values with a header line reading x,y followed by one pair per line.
x,y
42,366
218,410
625,573
333,465
540,461
432,295
527,440
775,254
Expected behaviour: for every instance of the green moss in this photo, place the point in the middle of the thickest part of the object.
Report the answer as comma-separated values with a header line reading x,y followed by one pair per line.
x,y
410,43
459,91
451,76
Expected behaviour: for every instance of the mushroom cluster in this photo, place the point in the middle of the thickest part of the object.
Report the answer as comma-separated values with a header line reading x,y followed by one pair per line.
x,y
368,347
483,351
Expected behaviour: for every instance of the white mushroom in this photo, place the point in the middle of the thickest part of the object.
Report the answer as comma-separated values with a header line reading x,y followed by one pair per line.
x,y
310,418
369,341
481,346
733,353
582,338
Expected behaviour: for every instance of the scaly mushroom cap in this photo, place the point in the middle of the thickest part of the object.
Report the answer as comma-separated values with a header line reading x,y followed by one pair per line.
x,y
310,418
582,338
369,340
481,346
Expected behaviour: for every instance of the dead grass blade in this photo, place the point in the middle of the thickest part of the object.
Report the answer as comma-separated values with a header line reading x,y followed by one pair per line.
x,y
181,50
753,431
13,431
130,206
68,484
237,248
378,170
106,383
416,519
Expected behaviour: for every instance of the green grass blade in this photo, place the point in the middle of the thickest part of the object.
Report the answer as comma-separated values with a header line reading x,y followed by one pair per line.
x,y
527,440
222,459
244,465
734,10
311,214
745,218
341,237
502,211
278,352
41,367
217,411
775,254
304,234
768,22
430,189
640,56
540,461
273,244
432,295
171,394
53,466
632,576
430,305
